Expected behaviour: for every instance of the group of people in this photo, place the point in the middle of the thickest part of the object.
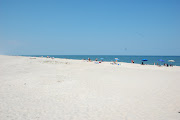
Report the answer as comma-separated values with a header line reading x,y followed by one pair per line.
x,y
132,61
168,65
89,59
49,57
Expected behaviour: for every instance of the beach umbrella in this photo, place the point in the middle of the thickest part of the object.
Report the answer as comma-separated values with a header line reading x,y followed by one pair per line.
x,y
161,60
171,61
144,60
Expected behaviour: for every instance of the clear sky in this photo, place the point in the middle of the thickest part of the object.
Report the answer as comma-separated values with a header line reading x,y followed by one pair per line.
x,y
90,27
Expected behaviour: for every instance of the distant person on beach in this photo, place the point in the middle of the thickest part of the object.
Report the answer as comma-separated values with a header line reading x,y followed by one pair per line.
x,y
96,59
142,63
132,61
89,59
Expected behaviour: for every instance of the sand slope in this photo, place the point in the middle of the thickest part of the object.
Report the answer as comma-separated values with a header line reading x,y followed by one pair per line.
x,y
61,89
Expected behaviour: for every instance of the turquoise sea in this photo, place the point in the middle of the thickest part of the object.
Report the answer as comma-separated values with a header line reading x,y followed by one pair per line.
x,y
122,58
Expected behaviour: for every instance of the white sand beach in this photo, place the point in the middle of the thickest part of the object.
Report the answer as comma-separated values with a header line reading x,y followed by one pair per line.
x,y
33,88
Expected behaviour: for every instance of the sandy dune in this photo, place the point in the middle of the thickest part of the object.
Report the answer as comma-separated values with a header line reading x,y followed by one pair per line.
x,y
62,89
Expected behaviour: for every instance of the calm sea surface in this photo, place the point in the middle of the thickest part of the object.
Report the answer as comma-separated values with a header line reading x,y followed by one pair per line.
x,y
122,58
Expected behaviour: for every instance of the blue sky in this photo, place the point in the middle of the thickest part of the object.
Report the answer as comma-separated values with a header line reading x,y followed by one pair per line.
x,y
90,27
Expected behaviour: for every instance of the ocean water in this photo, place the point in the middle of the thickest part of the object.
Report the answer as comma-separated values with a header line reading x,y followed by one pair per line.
x,y
122,58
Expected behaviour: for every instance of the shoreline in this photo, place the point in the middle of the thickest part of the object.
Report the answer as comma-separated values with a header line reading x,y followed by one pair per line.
x,y
100,61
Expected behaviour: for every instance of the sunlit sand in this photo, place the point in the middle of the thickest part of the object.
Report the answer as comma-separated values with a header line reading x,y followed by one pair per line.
x,y
63,89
